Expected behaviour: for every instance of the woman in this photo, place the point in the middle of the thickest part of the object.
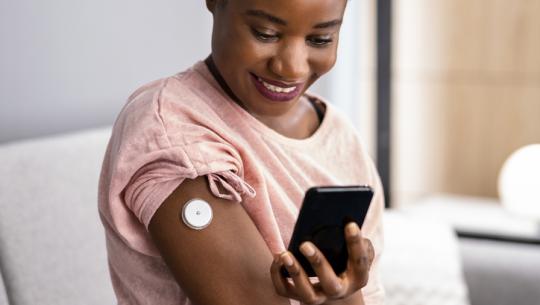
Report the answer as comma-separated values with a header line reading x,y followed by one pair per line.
x,y
240,132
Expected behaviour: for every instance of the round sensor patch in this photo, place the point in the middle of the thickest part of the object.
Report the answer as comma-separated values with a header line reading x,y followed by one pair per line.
x,y
197,214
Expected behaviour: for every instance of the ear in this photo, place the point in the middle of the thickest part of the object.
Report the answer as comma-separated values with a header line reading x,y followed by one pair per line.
x,y
211,5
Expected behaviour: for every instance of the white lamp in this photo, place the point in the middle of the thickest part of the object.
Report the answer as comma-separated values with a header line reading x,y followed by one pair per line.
x,y
519,182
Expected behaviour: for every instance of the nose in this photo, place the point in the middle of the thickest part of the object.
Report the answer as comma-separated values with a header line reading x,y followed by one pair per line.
x,y
291,62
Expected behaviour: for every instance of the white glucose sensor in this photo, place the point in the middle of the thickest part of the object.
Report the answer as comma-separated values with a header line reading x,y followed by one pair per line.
x,y
197,214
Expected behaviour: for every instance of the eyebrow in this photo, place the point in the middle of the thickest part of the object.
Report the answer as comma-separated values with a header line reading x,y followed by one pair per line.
x,y
265,15
277,20
328,24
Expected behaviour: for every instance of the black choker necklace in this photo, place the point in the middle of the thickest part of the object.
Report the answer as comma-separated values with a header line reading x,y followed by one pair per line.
x,y
215,72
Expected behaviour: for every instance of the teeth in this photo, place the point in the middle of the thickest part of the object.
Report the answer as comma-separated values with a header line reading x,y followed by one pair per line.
x,y
276,88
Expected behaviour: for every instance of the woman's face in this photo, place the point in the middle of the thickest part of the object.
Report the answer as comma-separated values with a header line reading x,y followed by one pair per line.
x,y
270,51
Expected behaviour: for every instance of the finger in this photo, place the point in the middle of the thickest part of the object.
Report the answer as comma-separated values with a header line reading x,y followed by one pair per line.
x,y
282,286
302,286
358,265
330,283
370,250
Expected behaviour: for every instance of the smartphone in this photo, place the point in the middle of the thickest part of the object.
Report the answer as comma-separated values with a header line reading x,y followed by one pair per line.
x,y
322,219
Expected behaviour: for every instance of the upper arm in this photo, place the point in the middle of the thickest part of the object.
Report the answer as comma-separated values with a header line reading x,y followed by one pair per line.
x,y
228,262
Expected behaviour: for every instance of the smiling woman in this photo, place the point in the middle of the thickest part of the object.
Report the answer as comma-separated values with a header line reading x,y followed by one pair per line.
x,y
270,52
238,132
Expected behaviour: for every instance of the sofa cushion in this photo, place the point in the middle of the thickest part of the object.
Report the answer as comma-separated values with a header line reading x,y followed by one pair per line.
x,y
52,248
421,264
497,272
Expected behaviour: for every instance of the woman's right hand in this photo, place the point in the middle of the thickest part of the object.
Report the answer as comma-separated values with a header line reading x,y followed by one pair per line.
x,y
331,286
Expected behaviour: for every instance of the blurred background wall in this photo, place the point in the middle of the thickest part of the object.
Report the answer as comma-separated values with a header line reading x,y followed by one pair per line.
x,y
466,93
68,65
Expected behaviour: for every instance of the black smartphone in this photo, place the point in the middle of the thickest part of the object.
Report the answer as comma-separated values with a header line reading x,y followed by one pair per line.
x,y
324,213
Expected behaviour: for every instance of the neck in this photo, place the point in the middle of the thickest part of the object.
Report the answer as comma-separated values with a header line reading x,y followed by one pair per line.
x,y
221,81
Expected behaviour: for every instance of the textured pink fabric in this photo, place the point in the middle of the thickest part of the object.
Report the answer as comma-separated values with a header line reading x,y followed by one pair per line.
x,y
185,126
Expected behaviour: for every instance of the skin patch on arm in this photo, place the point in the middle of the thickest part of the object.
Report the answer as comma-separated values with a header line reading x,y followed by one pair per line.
x,y
197,214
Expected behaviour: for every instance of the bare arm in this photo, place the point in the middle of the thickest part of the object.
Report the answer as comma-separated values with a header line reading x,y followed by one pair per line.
x,y
225,263
228,262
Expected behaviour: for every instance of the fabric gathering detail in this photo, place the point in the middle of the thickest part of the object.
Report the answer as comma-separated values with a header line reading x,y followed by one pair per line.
x,y
154,183
235,187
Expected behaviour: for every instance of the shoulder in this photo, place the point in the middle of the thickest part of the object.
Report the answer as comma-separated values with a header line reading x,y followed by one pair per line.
x,y
156,97
343,146
182,101
337,124
173,119
332,113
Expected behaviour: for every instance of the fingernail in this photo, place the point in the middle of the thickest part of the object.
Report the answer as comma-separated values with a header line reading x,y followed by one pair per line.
x,y
352,229
287,259
307,249
338,286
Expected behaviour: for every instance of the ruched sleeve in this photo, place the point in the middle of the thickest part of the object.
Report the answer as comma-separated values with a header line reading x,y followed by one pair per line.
x,y
161,172
148,162
235,187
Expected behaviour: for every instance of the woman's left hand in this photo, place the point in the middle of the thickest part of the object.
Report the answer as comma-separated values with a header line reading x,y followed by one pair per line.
x,y
330,286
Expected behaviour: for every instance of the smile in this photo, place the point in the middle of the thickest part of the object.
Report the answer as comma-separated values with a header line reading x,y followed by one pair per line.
x,y
276,91
276,88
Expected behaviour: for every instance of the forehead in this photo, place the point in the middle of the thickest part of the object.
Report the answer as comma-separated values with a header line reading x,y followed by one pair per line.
x,y
294,11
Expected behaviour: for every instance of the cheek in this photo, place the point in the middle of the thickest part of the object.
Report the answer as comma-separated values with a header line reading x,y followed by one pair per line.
x,y
322,62
243,49
255,52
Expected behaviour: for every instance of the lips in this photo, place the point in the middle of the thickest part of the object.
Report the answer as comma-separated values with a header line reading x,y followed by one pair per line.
x,y
276,91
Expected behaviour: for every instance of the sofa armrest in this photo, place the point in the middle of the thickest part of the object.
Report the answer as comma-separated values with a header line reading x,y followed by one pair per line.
x,y
3,295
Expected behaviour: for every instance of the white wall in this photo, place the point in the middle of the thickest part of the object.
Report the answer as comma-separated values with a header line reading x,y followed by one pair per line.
x,y
68,65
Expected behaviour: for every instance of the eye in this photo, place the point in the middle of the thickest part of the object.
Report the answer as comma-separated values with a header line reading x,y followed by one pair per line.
x,y
320,41
265,36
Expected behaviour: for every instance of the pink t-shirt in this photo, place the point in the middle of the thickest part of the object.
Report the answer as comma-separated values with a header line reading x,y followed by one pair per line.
x,y
185,126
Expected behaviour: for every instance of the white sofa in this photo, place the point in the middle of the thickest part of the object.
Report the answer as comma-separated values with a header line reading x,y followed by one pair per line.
x,y
51,241
52,248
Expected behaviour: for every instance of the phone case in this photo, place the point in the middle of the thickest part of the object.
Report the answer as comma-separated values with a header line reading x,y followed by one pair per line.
x,y
324,213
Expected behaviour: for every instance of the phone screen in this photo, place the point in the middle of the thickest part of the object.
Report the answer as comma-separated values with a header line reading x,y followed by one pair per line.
x,y
322,219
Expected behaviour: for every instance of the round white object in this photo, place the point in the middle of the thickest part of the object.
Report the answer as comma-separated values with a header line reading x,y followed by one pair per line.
x,y
519,182
197,214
